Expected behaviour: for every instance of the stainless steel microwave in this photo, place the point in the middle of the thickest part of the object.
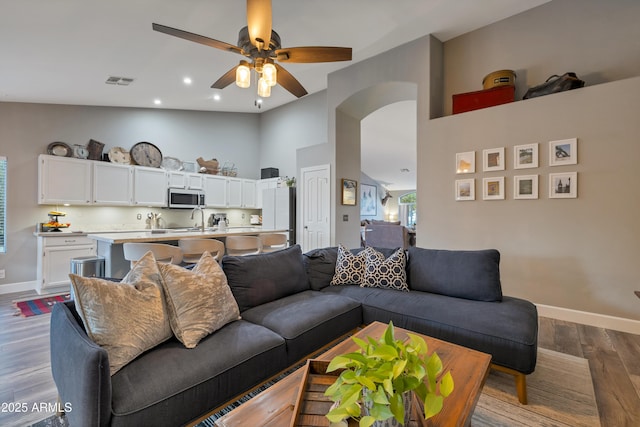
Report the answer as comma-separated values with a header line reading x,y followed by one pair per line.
x,y
185,199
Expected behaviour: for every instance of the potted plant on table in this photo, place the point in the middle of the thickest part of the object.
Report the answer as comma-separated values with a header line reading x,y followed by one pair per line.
x,y
377,381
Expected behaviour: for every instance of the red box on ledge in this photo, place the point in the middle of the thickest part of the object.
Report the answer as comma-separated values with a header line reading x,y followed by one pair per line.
x,y
470,101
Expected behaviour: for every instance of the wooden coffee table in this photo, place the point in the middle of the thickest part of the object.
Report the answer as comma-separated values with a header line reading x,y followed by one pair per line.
x,y
469,368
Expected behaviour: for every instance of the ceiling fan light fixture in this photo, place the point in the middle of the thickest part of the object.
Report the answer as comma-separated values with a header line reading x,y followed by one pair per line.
x,y
264,90
243,75
269,73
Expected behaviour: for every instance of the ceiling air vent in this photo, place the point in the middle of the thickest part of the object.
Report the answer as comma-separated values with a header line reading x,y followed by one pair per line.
x,y
122,81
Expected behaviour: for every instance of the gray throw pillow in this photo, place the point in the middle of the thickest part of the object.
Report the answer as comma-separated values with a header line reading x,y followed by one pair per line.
x,y
473,275
258,279
320,265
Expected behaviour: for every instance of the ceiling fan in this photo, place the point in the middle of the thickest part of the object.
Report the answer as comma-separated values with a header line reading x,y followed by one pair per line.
x,y
258,42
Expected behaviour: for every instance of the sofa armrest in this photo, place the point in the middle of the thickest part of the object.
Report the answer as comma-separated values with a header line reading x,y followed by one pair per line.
x,y
80,369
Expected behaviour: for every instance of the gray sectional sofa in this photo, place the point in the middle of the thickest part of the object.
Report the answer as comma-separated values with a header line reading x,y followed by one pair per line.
x,y
289,309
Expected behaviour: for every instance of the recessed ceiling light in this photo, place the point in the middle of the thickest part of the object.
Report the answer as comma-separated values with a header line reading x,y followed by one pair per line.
x,y
157,101
186,80
217,97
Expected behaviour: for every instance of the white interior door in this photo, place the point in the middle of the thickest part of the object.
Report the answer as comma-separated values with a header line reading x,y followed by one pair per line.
x,y
315,207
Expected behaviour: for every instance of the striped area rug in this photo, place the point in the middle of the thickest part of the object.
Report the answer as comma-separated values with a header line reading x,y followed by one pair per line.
x,y
34,307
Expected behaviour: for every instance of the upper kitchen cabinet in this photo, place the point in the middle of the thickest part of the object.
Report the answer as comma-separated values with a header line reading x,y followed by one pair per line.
x,y
234,193
248,193
215,191
63,180
264,184
191,181
112,184
149,187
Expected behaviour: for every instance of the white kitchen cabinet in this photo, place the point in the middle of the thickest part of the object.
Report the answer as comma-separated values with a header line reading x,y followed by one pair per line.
x,y
248,193
264,184
149,187
215,191
191,181
54,259
64,180
234,192
112,184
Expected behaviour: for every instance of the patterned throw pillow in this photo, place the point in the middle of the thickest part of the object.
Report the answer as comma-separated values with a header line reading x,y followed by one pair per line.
x,y
387,273
350,267
199,301
125,318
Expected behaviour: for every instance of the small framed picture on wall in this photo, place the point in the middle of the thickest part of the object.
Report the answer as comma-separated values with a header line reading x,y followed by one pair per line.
x,y
466,162
563,152
493,159
493,188
349,192
368,199
525,187
563,185
525,156
465,189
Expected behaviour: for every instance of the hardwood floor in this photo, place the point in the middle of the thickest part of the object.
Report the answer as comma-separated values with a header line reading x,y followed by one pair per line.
x,y
614,359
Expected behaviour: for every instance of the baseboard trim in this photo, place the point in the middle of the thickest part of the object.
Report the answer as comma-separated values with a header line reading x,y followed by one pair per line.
x,y
12,288
592,319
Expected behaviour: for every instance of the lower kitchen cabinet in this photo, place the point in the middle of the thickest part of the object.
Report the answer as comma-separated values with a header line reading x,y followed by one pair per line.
x,y
54,260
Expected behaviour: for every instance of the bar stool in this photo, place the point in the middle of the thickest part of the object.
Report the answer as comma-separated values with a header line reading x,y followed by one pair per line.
x,y
243,245
273,242
161,251
192,249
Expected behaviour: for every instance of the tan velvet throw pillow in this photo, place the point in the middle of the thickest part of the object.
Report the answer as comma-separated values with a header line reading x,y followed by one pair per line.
x,y
126,318
199,301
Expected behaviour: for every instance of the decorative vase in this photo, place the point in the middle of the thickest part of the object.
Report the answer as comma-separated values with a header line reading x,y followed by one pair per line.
x,y
392,422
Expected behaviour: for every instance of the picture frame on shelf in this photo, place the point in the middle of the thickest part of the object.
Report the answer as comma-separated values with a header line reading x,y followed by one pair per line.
x,y
349,192
563,152
493,188
368,199
525,187
493,159
466,162
465,189
525,156
563,185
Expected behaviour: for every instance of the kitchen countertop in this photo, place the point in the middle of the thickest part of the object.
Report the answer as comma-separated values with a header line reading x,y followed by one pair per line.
x,y
164,235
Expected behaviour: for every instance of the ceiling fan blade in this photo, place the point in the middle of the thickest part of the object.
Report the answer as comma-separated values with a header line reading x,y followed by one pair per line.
x,y
198,39
287,81
314,54
259,23
224,81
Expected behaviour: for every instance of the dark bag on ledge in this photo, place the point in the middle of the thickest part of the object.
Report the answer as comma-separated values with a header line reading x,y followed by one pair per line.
x,y
554,84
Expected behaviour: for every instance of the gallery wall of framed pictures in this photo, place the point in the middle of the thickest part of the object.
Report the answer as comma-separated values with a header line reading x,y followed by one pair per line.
x,y
525,184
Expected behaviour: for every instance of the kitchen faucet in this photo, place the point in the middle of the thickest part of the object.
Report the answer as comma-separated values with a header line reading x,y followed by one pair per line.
x,y
198,208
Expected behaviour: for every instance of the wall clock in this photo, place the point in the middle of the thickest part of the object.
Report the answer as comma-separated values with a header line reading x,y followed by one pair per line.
x,y
146,154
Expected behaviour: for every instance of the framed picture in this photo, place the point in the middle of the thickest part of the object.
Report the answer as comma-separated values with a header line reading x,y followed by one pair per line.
x,y
465,189
493,159
368,199
466,162
563,185
525,156
493,188
563,152
525,187
349,192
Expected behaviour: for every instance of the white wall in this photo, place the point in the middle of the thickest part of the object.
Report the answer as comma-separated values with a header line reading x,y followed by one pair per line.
x,y
27,129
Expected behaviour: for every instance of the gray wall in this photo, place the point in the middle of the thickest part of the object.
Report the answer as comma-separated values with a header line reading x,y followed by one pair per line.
x,y
27,129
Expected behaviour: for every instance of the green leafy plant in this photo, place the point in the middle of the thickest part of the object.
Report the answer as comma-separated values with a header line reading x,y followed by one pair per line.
x,y
380,373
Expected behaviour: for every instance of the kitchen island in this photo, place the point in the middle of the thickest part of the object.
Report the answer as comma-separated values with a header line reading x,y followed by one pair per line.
x,y
109,245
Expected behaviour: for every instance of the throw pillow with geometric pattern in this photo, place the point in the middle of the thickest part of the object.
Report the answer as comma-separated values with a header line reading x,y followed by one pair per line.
x,y
350,267
387,273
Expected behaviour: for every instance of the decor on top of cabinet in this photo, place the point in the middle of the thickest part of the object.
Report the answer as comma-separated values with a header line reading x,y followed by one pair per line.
x,y
171,164
59,149
229,169
95,149
146,154
212,167
119,155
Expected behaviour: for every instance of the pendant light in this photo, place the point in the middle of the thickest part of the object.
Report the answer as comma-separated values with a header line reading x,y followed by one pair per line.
x,y
264,90
269,73
243,75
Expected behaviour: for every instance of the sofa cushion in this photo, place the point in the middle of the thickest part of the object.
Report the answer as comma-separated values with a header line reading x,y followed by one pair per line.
x,y
381,272
472,275
308,320
199,300
126,318
258,279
